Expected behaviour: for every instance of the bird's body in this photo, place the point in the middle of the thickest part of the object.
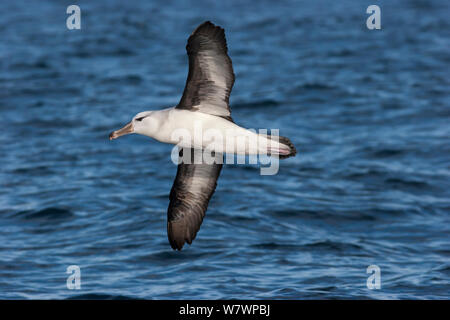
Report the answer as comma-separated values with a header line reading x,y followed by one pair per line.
x,y
204,131
202,121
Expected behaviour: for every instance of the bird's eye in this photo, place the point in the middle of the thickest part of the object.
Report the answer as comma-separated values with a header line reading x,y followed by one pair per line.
x,y
139,119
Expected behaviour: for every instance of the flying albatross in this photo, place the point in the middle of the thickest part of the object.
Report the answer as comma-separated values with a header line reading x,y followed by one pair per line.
x,y
204,104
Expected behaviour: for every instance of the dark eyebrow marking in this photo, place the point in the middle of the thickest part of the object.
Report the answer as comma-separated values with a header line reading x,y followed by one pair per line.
x,y
140,119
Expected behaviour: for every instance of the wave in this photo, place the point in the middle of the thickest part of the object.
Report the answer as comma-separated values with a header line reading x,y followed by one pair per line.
x,y
100,296
51,213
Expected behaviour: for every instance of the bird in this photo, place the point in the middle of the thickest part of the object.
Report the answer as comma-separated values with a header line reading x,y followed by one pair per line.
x,y
204,103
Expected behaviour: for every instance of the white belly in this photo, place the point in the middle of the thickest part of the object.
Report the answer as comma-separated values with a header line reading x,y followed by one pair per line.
x,y
203,131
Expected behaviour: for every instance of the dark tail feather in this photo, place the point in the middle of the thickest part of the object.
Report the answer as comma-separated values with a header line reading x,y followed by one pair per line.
x,y
291,146
288,143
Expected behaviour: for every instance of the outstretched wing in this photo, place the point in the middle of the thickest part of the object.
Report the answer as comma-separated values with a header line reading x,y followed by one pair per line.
x,y
211,77
193,187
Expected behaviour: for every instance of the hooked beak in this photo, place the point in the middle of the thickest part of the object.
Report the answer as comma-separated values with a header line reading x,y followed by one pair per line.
x,y
121,132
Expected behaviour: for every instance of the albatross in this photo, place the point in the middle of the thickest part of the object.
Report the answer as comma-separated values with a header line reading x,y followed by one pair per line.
x,y
204,104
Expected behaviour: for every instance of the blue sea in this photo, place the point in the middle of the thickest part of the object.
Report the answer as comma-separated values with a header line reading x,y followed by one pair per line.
x,y
368,111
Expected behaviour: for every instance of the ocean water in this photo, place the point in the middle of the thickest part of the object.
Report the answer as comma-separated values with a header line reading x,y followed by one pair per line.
x,y
368,111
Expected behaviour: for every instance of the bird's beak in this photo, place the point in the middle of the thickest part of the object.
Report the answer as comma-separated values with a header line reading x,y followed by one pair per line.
x,y
121,132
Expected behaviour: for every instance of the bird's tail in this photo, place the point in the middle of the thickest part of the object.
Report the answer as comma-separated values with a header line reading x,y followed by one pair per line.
x,y
284,149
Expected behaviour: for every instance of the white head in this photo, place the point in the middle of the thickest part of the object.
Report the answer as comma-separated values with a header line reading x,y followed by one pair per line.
x,y
143,123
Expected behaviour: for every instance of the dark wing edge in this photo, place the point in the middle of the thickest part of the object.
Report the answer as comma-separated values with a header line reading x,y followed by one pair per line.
x,y
211,76
189,197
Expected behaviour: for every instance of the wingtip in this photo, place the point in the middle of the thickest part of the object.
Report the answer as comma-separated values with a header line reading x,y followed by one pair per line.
x,y
176,244
210,30
175,247
207,23
178,235
207,26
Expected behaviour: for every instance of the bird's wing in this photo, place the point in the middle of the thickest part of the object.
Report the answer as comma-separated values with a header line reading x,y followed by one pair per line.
x,y
211,77
193,187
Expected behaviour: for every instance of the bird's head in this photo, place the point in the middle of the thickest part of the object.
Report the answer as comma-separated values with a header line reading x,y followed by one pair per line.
x,y
141,124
